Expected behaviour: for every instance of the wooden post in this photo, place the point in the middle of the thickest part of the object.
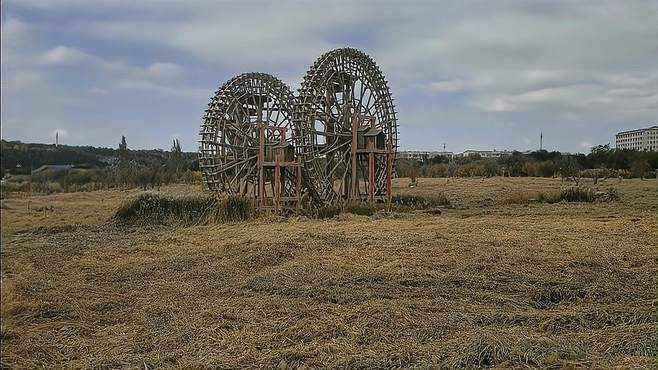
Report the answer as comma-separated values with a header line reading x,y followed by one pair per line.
x,y
355,129
371,166
261,160
298,185
389,175
277,182
371,178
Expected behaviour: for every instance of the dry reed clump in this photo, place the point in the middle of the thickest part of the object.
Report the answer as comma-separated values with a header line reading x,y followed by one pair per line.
x,y
359,208
577,194
513,349
401,203
151,209
333,210
611,195
155,209
407,202
328,211
571,194
551,296
232,209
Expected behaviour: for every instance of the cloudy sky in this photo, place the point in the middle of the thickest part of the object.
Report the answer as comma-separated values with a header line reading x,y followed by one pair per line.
x,y
471,74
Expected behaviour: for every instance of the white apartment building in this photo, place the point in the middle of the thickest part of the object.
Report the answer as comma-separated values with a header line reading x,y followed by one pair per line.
x,y
644,139
485,153
420,155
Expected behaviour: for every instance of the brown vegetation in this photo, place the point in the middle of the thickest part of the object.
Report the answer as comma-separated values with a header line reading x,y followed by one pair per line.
x,y
485,284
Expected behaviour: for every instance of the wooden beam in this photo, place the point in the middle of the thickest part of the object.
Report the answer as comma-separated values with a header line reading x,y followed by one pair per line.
x,y
261,160
389,176
355,183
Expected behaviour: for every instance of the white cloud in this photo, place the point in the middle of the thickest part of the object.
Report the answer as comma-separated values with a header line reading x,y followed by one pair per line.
x,y
586,145
495,104
99,91
156,87
13,32
164,70
62,55
22,79
447,86
158,77
156,71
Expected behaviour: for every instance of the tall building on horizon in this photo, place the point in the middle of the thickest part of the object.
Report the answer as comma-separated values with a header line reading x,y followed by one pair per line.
x,y
644,139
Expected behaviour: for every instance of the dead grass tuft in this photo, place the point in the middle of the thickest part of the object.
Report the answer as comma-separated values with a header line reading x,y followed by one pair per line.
x,y
571,194
577,194
232,209
410,202
480,350
359,208
548,297
150,209
513,349
328,211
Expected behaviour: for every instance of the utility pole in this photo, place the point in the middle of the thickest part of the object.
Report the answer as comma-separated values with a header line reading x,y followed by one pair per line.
x,y
541,140
56,138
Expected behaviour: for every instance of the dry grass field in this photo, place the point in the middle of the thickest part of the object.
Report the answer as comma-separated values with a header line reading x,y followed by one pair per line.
x,y
487,283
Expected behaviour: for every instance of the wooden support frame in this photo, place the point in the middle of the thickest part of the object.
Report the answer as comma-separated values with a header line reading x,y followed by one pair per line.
x,y
371,153
284,173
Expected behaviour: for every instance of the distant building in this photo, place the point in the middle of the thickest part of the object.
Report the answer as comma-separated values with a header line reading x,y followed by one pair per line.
x,y
420,155
644,139
484,153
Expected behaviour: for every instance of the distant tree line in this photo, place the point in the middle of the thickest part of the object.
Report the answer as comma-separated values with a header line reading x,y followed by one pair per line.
x,y
602,161
99,168
95,168
21,158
